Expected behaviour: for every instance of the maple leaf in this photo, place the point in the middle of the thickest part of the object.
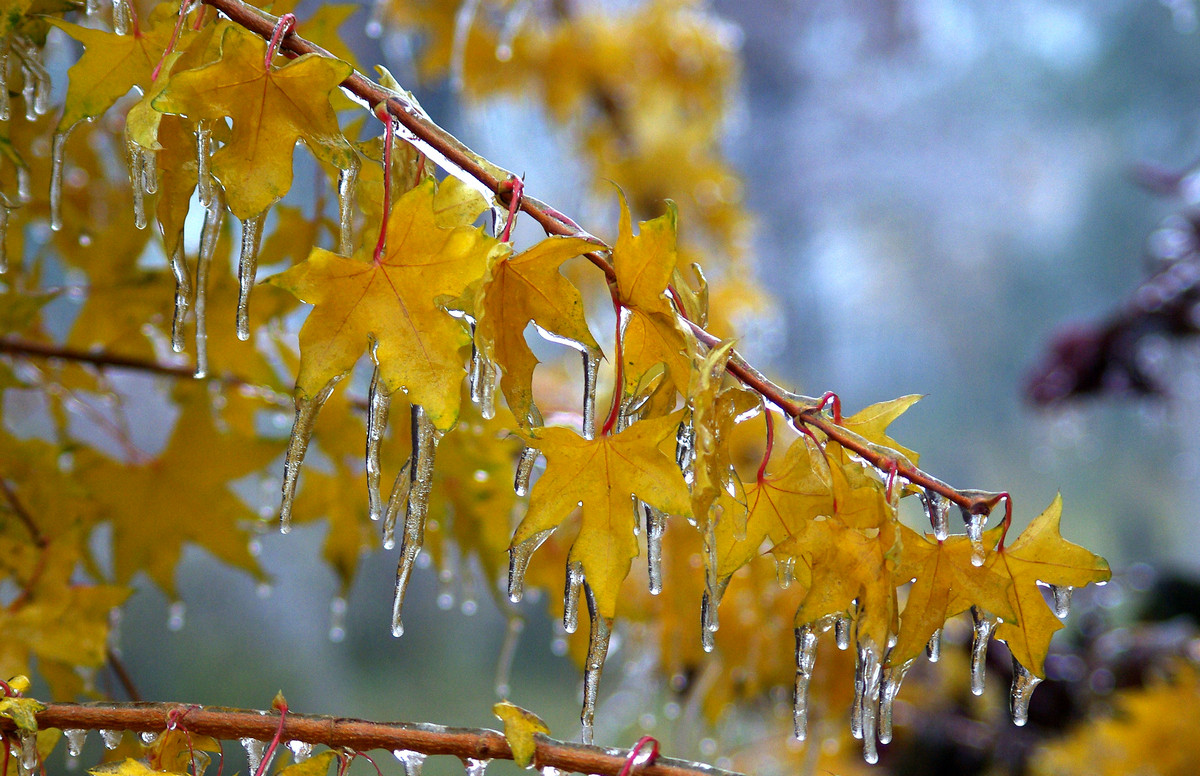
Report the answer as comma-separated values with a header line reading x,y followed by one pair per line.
x,y
947,583
523,288
271,109
1040,554
520,727
604,475
393,301
716,488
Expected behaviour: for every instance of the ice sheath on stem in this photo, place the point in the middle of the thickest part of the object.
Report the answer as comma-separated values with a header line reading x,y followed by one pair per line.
x,y
424,445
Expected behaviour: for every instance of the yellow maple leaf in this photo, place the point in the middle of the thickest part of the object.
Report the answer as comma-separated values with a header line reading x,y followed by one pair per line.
x,y
520,726
603,475
393,301
271,109
1040,554
523,288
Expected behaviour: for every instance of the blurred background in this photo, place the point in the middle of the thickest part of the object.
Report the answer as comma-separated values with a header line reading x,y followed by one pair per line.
x,y
937,186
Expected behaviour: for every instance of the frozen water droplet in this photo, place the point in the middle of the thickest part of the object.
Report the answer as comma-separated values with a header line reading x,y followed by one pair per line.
x,y
892,677
475,767
301,750
183,293
412,761
247,268
934,648
937,509
518,562
176,613
524,470
75,740
58,157
984,624
111,738
785,571
571,596
424,445
254,752
591,375
29,753
148,736
347,186
378,401
1023,685
1062,600
806,655
209,235
302,426
337,620
841,631
656,527
867,684
598,639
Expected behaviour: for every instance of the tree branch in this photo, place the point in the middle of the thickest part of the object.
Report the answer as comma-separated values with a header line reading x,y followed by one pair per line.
x,y
354,735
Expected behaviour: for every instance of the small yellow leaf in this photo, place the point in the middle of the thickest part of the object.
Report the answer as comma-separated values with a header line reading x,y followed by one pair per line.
x,y
22,711
317,765
520,725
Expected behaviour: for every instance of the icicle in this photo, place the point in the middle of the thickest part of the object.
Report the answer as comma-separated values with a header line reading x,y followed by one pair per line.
x,y
137,177
1023,685
937,509
571,596
24,187
866,706
148,737
205,188
591,375
806,655
508,653
247,268
710,601
76,738
30,87
424,446
785,571
685,448
475,767
892,677
5,107
176,616
347,185
120,22
656,526
337,620
482,379
92,7
183,293
379,400
302,426
525,470
149,170
208,247
3,237
934,648
984,625
1062,600
29,752
397,500
598,637
301,750
111,738
841,631
58,158
518,562
412,761
254,753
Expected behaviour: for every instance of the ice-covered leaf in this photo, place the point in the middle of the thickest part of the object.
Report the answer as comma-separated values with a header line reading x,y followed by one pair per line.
x,y
520,726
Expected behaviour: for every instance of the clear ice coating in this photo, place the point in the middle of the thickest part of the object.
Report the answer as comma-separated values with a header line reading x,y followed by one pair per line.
x,y
475,767
211,231
975,524
111,738
785,571
518,562
482,381
347,185
983,627
136,180
685,448
1062,600
892,677
252,229
841,631
656,527
183,293
29,752
58,158
76,738
424,445
5,107
934,648
937,509
598,638
524,470
120,16
378,403
867,675
412,761
591,374
302,427
337,619
1023,685
254,752
396,501
205,187
806,656
571,596
301,750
